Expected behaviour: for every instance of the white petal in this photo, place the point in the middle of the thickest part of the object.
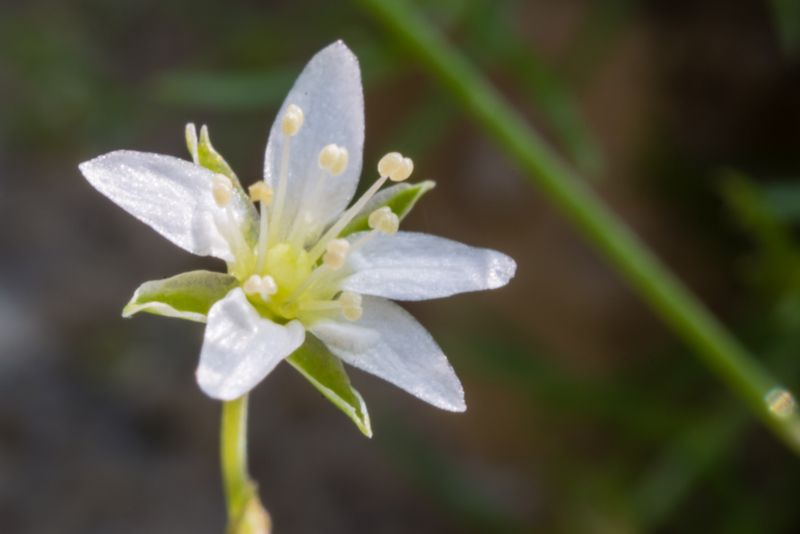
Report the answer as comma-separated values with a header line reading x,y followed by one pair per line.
x,y
413,266
170,195
330,95
240,347
392,345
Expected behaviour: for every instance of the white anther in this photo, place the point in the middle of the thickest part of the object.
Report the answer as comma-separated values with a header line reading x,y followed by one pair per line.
x,y
268,285
336,253
384,221
292,120
333,158
222,190
261,192
351,305
263,286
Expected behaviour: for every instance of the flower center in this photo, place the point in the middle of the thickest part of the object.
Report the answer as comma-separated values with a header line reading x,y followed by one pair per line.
x,y
293,272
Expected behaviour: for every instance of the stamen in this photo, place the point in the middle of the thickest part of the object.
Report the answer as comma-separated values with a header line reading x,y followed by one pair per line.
x,y
224,220
351,305
333,158
261,192
336,253
389,163
319,305
384,220
395,166
222,190
263,286
316,276
292,120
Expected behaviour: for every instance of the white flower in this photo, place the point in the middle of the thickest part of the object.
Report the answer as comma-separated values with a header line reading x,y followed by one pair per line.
x,y
298,266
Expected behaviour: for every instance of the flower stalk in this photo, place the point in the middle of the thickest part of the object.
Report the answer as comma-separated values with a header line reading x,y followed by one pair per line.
x,y
246,514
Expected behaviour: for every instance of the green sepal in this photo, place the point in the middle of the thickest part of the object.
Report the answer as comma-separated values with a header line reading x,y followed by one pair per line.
x,y
326,373
209,158
184,296
400,198
204,154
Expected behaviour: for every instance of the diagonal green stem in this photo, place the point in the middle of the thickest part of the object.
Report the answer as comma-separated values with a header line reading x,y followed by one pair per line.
x,y
668,297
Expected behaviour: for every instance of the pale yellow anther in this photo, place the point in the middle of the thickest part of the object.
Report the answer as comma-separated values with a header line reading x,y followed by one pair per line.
x,y
389,163
333,158
222,190
328,156
395,166
261,192
341,162
384,221
292,120
263,286
403,171
351,305
336,253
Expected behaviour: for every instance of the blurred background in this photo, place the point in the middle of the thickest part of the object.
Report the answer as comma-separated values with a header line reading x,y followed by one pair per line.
x,y
585,413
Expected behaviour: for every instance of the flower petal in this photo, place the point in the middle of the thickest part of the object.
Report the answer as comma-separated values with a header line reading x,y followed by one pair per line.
x,y
170,195
185,296
392,345
240,347
414,266
330,95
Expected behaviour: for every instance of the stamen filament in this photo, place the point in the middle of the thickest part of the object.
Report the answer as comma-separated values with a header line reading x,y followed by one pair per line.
x,y
363,240
320,305
277,209
224,222
315,277
263,239
346,217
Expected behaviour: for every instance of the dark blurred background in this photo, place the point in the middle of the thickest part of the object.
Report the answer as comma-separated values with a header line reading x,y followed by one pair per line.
x,y
585,413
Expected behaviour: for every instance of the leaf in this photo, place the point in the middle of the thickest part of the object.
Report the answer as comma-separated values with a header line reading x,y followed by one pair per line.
x,y
400,198
184,296
326,373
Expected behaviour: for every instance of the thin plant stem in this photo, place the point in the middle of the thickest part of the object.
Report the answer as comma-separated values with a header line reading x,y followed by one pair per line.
x,y
665,294
246,514
233,448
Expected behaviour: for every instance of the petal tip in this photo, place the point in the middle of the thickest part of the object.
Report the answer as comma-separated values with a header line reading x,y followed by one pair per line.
x,y
502,268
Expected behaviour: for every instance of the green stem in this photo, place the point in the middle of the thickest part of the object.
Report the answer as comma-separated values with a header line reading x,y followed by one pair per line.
x,y
233,442
246,514
657,286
